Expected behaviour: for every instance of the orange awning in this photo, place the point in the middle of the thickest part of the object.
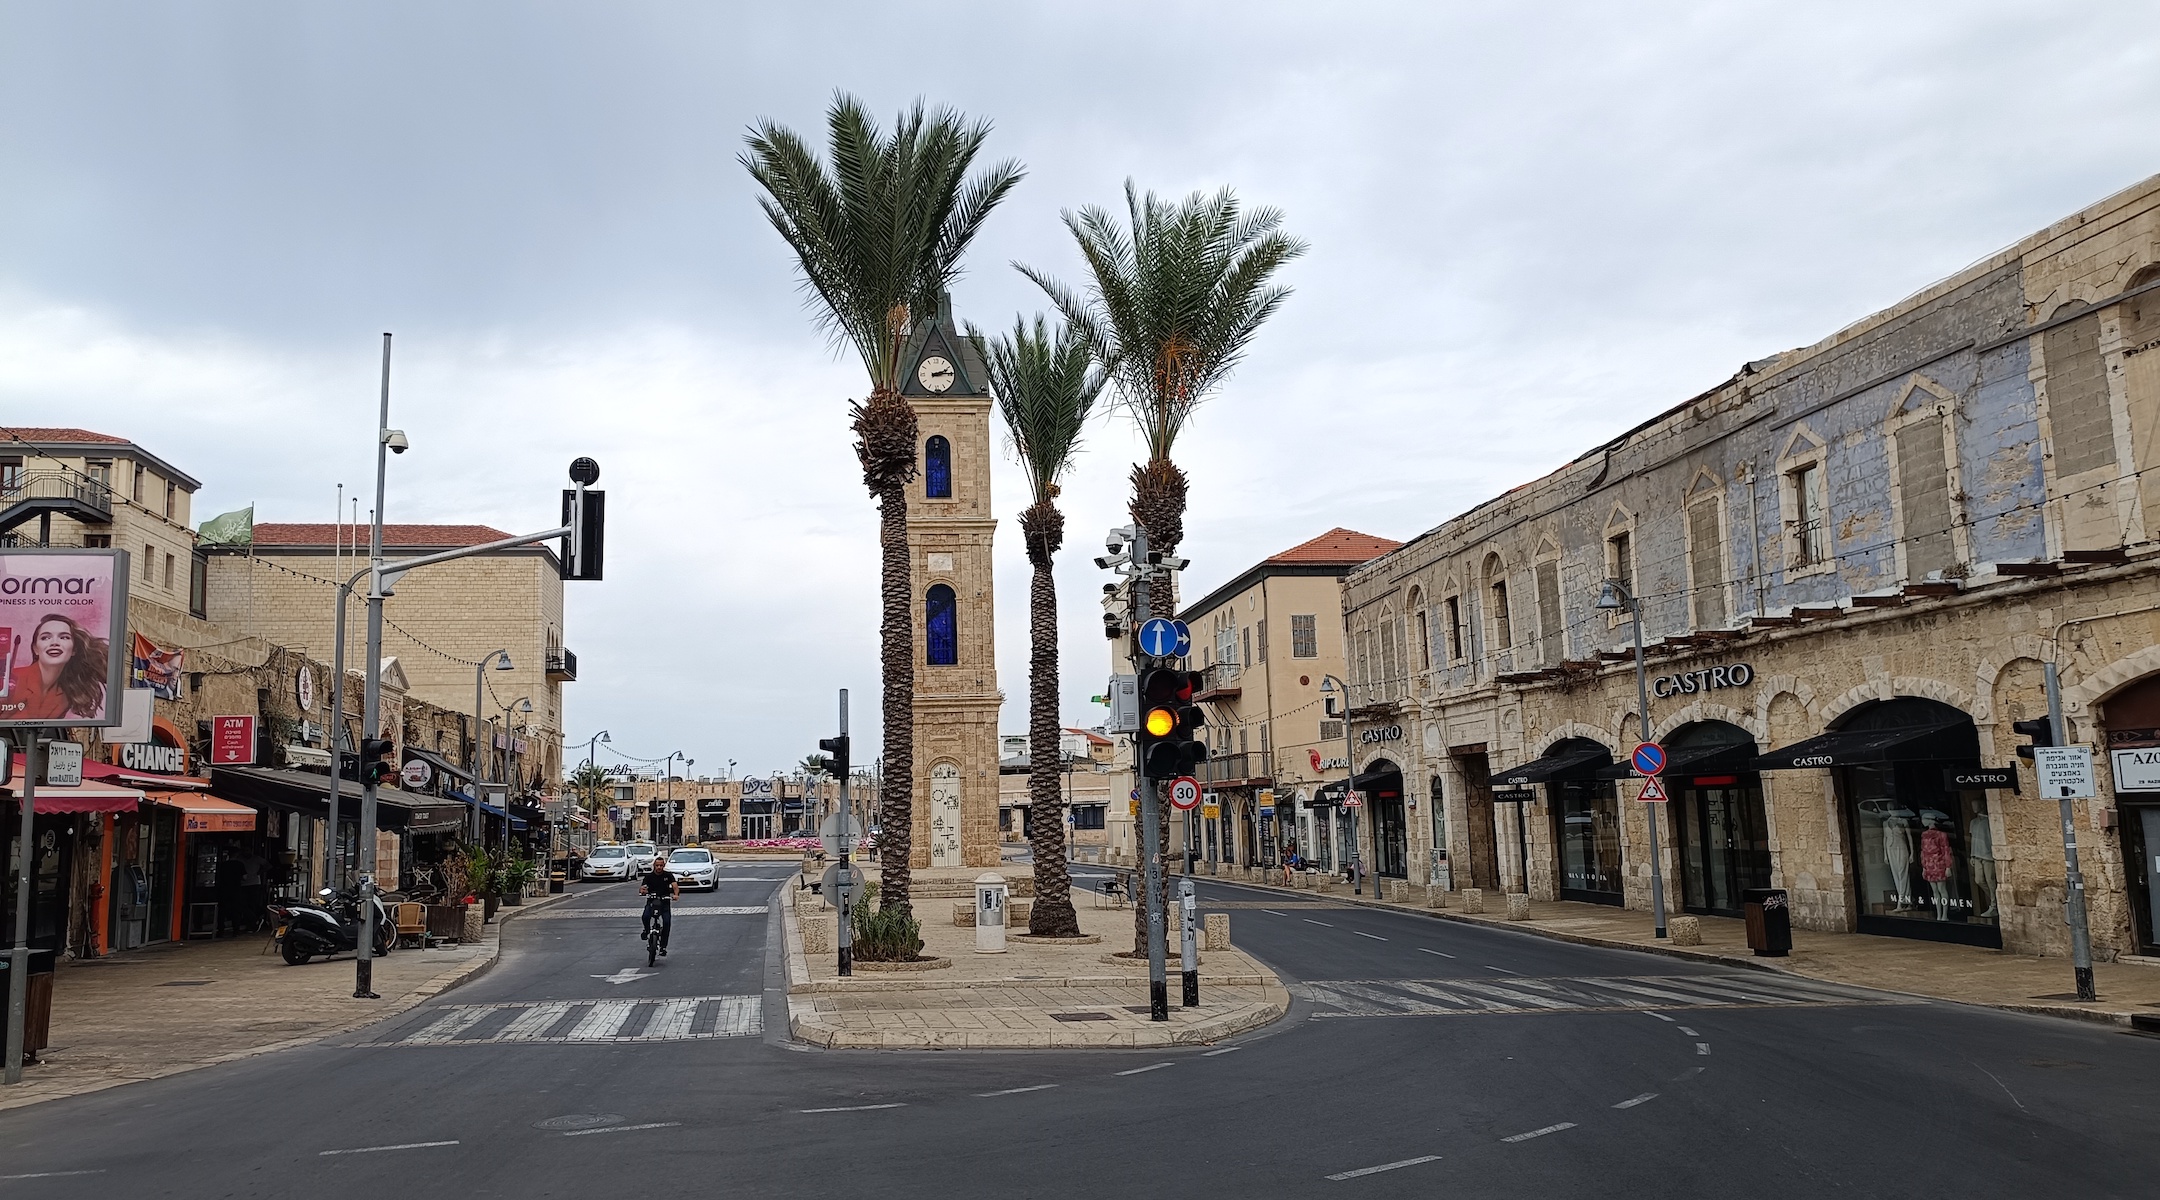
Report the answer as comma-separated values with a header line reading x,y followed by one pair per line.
x,y
204,813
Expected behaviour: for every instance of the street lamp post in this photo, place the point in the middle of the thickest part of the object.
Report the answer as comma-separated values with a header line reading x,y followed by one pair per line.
x,y
1328,685
668,766
1615,597
501,659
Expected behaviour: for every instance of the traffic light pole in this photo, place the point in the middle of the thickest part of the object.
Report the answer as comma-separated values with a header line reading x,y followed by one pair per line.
x,y
845,897
1150,814
2074,882
371,704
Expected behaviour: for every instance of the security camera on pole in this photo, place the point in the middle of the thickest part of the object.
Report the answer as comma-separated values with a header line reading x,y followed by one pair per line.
x,y
582,537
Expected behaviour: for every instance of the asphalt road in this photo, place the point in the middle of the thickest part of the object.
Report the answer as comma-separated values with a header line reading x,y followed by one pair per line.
x,y
1422,1058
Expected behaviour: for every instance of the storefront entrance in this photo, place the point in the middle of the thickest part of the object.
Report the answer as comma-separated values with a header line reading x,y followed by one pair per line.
x,y
1586,825
2132,720
757,819
1717,816
1382,785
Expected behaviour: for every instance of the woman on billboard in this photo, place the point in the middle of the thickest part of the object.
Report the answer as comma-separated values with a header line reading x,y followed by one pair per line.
x,y
65,676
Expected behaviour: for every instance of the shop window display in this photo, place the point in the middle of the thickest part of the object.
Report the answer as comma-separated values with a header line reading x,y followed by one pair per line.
x,y
1925,853
1587,814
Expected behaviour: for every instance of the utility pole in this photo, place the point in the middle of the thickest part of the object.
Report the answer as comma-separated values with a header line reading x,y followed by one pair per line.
x,y
1151,820
371,699
2074,883
18,1010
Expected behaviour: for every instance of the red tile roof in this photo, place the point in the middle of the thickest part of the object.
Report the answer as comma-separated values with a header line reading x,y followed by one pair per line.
x,y
323,533
1338,546
26,433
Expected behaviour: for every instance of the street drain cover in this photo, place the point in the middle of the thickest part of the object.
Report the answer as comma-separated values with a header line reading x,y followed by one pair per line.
x,y
1084,1016
185,982
579,1121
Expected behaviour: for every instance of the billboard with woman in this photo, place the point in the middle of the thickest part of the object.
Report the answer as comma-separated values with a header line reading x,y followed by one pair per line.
x,y
63,617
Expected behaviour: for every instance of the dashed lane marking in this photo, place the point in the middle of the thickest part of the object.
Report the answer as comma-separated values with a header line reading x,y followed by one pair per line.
x,y
1040,1087
1271,912
851,1108
1660,1016
623,1128
1524,1137
681,911
561,1022
1310,921
1441,953
53,1174
1393,1166
1502,970
1632,1101
1224,1050
1374,936
1457,997
1691,1033
1145,1070
1702,1047
379,1149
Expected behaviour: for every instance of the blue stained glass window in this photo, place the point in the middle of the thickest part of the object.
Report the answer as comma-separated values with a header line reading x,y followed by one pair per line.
x,y
937,469
941,623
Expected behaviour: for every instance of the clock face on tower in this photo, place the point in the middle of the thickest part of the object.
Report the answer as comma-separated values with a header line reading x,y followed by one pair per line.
x,y
935,373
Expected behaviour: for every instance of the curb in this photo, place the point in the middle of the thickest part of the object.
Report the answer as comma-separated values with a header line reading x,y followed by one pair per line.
x,y
2120,1019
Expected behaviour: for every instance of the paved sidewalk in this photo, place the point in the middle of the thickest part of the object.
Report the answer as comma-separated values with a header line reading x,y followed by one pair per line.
x,y
1034,996
1966,974
178,1006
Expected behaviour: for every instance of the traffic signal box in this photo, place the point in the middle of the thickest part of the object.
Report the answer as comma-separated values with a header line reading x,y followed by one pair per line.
x,y
836,753
2039,731
1169,739
375,765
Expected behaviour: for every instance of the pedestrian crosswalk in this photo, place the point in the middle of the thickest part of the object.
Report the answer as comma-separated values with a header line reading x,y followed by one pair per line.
x,y
1467,997
562,1022
681,910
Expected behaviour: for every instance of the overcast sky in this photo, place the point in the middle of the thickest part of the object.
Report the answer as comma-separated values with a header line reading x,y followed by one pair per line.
x,y
1531,227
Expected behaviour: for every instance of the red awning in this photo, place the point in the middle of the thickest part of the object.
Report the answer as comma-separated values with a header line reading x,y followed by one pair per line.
x,y
91,797
206,814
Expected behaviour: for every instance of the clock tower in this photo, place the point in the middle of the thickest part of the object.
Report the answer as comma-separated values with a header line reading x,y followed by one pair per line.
x,y
949,529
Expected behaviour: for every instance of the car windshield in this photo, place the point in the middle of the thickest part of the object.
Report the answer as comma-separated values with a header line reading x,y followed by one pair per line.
x,y
644,848
700,857
610,852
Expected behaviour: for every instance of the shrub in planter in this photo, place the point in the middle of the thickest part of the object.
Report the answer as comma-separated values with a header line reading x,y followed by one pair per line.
x,y
885,934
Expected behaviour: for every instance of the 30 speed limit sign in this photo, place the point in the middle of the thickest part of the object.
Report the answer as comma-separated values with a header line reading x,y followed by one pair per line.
x,y
1184,792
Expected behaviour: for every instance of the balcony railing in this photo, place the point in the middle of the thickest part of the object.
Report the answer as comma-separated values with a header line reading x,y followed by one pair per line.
x,y
1218,681
27,494
1225,768
561,665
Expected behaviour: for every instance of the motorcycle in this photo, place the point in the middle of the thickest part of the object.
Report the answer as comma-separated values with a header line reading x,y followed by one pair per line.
x,y
332,927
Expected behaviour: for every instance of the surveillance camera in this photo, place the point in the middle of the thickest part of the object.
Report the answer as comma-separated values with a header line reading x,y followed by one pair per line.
x,y
1104,563
1154,558
1177,564
1113,545
396,440
1109,589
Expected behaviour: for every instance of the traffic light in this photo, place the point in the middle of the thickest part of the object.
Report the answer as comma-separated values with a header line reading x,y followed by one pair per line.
x,y
1113,626
375,765
584,512
836,754
1170,723
2040,731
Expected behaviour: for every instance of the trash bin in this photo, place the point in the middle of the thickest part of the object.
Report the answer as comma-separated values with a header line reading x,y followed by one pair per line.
x,y
37,1025
1769,921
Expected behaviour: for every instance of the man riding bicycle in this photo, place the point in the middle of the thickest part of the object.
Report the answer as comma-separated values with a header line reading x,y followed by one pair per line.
x,y
661,889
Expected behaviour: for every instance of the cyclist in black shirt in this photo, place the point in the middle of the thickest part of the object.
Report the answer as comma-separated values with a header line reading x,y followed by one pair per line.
x,y
661,889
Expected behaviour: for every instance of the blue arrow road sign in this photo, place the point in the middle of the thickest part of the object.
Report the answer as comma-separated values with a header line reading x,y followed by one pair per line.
x,y
1158,638
1184,638
1649,758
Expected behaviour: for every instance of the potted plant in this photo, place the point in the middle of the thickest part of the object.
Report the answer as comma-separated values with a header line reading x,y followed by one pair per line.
x,y
514,876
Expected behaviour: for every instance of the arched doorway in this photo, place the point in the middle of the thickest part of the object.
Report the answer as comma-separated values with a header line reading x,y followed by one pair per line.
x,y
1381,785
2132,720
1717,816
1585,811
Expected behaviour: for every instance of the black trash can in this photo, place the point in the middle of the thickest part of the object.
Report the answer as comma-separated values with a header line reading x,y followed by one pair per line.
x,y
37,1027
1769,921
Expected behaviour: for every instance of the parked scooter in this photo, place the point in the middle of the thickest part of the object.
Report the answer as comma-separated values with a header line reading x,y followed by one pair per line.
x,y
332,927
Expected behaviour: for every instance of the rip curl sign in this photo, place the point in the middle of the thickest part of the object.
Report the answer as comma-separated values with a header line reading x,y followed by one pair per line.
x,y
62,657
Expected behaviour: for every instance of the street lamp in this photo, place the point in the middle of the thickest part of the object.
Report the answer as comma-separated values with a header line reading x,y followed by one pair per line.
x,y
1613,596
1328,685
501,659
668,766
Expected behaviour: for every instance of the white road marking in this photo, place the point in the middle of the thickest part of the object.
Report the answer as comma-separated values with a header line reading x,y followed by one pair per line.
x,y
533,1022
603,1020
851,1108
1702,1047
1310,921
1408,1162
1144,1070
1271,912
1224,1050
1458,996
1374,936
1441,953
1691,1033
1645,1098
627,975
448,1025
1040,1087
681,910
1661,1016
377,1149
1502,970
623,1128
1690,1073
1524,1137
53,1174
671,1020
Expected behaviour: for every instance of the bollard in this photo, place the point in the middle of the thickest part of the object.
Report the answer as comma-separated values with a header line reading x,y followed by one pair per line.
x,y
1685,931
1435,897
1398,890
1518,906
990,892
1217,932
1473,901
816,937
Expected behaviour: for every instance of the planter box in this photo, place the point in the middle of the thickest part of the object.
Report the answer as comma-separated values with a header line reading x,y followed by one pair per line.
x,y
446,920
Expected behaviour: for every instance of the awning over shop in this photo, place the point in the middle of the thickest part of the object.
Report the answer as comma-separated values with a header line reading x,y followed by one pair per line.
x,y
443,817
1730,758
442,765
1950,741
89,798
1370,782
307,792
204,813
1572,759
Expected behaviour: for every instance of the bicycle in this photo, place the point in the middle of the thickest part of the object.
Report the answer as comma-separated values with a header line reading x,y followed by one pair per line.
x,y
652,942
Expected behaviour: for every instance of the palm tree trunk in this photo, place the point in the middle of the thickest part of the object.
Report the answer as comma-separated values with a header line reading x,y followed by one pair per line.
x,y
885,430
1042,527
1158,505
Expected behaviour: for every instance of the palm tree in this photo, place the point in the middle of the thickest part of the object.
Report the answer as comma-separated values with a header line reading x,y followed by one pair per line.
x,y
586,782
1172,302
878,235
1044,386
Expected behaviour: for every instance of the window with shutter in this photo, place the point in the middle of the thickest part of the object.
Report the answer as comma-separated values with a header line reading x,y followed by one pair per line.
x,y
1550,624
1706,562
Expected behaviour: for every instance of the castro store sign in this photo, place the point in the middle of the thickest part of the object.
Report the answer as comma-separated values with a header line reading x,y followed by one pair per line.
x,y
1708,679
1384,733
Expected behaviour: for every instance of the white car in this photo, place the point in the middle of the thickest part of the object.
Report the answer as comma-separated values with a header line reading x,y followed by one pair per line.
x,y
609,862
693,868
642,854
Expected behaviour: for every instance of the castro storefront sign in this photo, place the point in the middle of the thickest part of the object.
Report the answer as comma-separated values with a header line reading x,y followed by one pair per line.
x,y
1383,733
1708,679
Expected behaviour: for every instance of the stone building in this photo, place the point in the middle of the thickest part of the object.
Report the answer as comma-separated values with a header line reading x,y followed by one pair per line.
x,y
957,700
1853,562
1086,781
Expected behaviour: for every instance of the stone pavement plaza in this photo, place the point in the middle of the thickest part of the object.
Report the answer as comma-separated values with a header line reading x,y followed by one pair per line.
x,y
1034,995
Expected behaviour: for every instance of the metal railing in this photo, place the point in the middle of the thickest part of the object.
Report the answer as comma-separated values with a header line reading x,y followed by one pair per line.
x,y
1222,767
561,665
84,491
1218,675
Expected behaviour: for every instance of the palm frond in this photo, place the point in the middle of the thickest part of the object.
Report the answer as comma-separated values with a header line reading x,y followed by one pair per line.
x,y
1045,382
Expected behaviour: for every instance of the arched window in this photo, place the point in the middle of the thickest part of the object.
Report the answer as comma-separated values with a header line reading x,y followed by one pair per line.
x,y
941,623
937,468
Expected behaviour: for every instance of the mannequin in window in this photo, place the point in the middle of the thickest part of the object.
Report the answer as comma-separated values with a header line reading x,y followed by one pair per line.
x,y
1935,860
1898,856
1982,840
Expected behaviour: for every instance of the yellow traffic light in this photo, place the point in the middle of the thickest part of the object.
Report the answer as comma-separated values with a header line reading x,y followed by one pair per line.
x,y
1160,721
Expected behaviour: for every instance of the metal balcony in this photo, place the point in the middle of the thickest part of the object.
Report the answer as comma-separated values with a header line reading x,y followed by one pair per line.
x,y
47,494
561,665
1235,769
1218,681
